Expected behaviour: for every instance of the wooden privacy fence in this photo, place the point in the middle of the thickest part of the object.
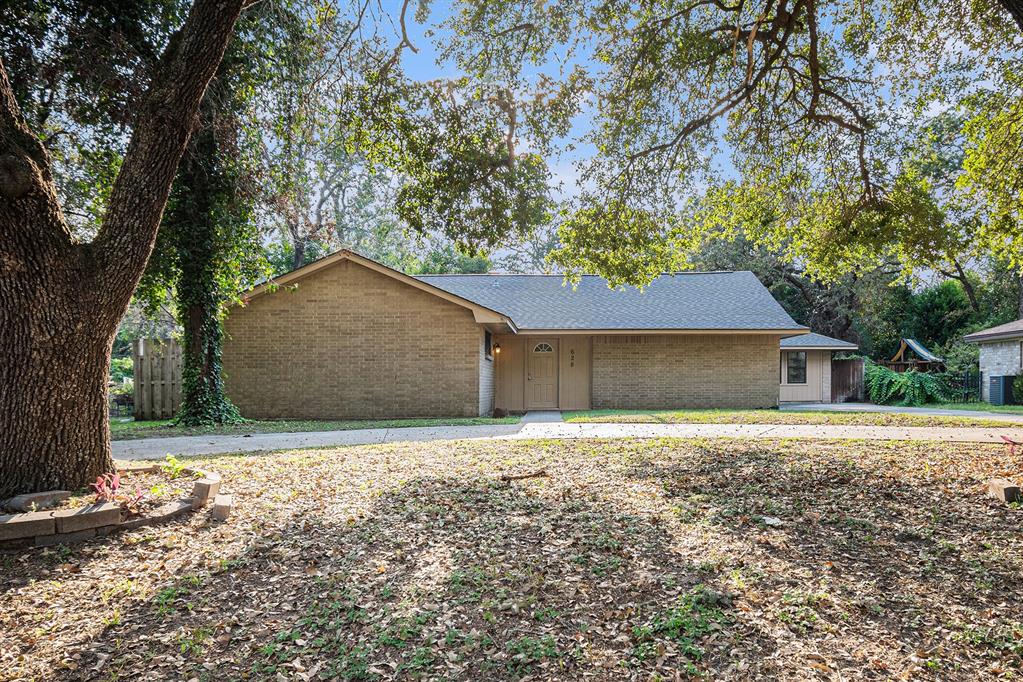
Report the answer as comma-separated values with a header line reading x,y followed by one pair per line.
x,y
846,380
157,365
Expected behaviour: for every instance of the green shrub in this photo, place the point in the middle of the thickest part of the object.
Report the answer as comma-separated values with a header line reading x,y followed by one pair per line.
x,y
904,388
1017,390
120,369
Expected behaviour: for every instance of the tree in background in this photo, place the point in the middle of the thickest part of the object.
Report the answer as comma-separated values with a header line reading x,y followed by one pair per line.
x,y
530,254
785,95
348,207
360,156
318,194
446,259
877,308
826,308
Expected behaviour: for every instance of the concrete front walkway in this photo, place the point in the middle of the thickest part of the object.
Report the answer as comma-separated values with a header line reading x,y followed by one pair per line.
x,y
870,407
157,448
542,416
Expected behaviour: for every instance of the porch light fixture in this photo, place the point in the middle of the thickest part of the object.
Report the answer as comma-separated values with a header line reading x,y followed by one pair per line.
x,y
497,349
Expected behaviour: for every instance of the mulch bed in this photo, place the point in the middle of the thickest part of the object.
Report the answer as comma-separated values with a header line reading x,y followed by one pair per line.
x,y
653,559
157,487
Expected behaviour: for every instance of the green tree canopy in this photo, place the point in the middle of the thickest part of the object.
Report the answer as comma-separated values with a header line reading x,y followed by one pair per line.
x,y
794,121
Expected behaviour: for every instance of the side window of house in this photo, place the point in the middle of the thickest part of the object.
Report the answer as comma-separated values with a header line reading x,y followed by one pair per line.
x,y
796,367
488,345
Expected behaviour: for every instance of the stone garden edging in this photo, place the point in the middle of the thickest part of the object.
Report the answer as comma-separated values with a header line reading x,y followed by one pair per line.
x,y
67,526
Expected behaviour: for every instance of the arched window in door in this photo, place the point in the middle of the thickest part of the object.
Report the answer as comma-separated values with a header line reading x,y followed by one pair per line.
x,y
543,348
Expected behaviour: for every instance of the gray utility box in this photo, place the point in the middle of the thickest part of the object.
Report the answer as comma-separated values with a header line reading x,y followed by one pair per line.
x,y
1000,392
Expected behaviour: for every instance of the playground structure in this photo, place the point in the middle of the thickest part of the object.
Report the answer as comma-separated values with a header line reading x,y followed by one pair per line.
x,y
914,356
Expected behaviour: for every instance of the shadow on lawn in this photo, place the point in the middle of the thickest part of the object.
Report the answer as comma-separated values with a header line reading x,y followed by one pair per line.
x,y
907,561
466,579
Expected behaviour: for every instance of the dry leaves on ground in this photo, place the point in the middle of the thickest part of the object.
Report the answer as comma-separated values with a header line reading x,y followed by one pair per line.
x,y
791,417
653,559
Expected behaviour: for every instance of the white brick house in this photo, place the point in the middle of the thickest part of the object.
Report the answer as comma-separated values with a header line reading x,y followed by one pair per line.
x,y
1001,353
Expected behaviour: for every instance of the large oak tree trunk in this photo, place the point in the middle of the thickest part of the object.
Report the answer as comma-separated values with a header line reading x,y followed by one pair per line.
x,y
54,404
60,299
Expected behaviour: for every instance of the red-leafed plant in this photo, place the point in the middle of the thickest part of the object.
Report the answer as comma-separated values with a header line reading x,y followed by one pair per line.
x,y
106,487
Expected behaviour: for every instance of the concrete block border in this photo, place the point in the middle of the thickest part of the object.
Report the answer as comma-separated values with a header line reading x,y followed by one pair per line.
x,y
1004,490
68,526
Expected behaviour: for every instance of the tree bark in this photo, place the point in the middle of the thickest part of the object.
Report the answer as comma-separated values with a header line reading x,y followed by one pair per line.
x,y
960,276
1015,10
971,293
298,246
61,300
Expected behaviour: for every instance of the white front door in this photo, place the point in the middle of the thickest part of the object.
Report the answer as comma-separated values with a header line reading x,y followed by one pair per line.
x,y
541,374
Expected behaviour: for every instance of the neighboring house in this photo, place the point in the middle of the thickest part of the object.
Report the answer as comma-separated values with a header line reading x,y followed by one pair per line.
x,y
1001,353
347,337
806,362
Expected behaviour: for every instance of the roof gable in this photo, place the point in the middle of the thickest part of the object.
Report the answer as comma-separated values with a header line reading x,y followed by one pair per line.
x,y
481,313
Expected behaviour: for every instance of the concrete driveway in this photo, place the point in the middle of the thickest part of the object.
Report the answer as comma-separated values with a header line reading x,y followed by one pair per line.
x,y
158,448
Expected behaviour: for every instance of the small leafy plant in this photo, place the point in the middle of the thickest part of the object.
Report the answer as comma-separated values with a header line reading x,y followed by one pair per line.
x,y
1017,389
695,615
132,503
108,489
173,467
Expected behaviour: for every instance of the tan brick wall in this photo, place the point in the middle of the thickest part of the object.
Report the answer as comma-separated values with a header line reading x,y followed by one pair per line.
x,y
685,370
348,343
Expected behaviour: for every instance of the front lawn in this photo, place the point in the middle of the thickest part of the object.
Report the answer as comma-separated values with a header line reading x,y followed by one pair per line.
x,y
641,560
776,417
979,407
129,429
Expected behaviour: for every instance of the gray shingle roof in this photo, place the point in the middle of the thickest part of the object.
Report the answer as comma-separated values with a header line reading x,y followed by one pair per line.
x,y
704,300
1002,331
813,340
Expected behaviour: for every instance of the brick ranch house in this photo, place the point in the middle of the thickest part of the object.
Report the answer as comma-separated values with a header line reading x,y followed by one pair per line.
x,y
347,337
